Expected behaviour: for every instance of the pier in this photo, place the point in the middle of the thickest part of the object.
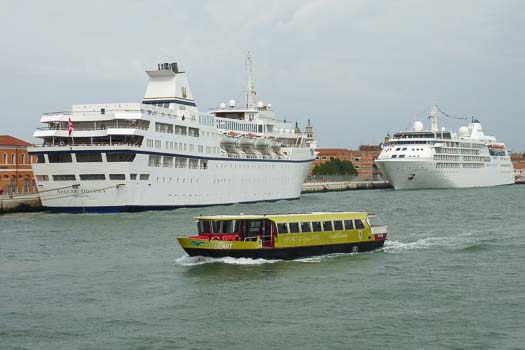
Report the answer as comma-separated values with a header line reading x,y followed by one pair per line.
x,y
20,203
311,187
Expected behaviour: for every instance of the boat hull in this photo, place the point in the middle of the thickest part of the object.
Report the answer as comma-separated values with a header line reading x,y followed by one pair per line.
x,y
288,253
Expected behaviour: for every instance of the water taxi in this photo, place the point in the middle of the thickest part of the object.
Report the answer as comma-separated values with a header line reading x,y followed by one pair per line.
x,y
286,236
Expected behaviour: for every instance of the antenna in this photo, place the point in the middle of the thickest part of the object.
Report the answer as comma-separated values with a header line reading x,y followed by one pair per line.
x,y
250,91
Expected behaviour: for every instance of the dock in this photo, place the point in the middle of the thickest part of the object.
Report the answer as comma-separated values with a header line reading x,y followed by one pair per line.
x,y
20,203
311,187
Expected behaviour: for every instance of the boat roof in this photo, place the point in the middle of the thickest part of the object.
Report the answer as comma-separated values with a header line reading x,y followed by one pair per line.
x,y
290,217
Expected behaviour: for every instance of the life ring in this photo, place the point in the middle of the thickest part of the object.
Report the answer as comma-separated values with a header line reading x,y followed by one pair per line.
x,y
236,238
215,238
232,133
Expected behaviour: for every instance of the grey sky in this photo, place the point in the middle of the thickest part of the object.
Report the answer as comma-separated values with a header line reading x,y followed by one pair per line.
x,y
358,69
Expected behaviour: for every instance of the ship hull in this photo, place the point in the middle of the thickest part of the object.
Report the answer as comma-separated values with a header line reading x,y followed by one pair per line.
x,y
422,174
287,253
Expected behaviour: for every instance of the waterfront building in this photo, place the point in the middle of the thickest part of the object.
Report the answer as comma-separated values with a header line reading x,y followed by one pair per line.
x,y
518,162
16,175
362,159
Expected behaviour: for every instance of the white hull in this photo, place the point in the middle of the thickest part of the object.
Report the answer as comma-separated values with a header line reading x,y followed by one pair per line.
x,y
421,173
224,182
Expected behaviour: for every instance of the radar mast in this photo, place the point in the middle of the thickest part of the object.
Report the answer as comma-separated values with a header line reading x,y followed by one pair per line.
x,y
250,91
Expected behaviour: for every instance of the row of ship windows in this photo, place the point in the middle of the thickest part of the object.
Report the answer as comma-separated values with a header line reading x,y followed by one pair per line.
x,y
460,165
181,147
457,151
91,177
177,162
319,226
176,129
464,158
85,157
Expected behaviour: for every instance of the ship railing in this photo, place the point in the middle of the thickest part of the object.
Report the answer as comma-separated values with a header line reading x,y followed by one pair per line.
x,y
96,112
94,129
97,144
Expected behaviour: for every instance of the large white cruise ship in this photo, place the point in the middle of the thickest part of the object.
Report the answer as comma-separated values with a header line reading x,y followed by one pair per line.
x,y
163,153
440,159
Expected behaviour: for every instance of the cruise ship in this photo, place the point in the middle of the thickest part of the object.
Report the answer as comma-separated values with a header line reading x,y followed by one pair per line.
x,y
163,153
441,159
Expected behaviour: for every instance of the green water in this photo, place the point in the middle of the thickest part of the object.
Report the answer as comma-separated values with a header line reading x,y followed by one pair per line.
x,y
451,276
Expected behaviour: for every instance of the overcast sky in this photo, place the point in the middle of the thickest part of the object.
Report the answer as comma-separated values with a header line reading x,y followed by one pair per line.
x,y
357,69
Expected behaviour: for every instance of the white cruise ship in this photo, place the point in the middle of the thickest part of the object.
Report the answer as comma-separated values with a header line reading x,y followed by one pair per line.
x,y
163,153
440,159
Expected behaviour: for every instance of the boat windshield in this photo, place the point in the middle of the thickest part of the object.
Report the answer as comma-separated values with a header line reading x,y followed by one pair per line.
x,y
374,221
230,226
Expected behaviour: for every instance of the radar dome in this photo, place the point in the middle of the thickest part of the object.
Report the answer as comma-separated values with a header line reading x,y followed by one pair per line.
x,y
463,131
418,126
232,103
269,106
222,105
260,104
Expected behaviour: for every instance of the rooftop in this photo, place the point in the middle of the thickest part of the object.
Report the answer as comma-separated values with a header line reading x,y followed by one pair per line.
x,y
8,140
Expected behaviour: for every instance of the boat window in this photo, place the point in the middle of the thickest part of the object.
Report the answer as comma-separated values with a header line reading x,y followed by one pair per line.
x,y
374,221
132,176
305,227
338,225
85,177
349,225
120,157
117,176
327,226
359,224
60,158
64,178
316,226
216,226
203,226
282,228
294,227
88,157
144,177
230,226
40,158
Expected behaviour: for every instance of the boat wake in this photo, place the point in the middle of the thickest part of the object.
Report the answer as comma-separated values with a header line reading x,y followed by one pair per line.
x,y
451,242
200,260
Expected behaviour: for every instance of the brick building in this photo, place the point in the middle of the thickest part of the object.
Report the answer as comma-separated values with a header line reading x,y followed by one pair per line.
x,y
362,159
518,161
16,174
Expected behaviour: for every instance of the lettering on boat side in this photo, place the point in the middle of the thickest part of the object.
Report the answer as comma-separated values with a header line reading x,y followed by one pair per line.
x,y
77,191
196,244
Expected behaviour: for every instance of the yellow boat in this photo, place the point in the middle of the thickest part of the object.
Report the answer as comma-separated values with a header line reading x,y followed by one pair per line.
x,y
287,236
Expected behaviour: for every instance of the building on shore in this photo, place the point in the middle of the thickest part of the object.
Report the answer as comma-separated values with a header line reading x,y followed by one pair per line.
x,y
16,175
362,159
518,161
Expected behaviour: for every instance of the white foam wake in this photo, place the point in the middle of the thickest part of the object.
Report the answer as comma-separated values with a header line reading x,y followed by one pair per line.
x,y
200,260
427,243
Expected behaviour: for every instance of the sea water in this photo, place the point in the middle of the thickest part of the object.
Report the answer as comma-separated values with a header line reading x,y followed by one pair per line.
x,y
451,276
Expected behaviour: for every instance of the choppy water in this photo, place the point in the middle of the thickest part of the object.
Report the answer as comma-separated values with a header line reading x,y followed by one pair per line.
x,y
450,277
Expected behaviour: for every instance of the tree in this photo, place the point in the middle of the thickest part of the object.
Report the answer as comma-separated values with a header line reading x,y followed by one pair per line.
x,y
335,167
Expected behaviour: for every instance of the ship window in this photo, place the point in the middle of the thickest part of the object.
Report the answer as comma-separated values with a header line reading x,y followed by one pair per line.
x,y
60,158
282,228
39,158
294,227
120,157
349,225
85,177
338,225
64,178
305,227
216,226
359,224
327,226
117,177
42,177
203,226
397,149
401,156
132,176
144,177
230,226
404,149
316,226
88,157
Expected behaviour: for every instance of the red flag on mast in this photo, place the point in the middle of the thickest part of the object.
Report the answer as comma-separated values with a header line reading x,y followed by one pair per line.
x,y
70,126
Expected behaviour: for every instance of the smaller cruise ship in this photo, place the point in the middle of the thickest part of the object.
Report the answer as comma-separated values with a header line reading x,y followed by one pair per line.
x,y
285,236
441,159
